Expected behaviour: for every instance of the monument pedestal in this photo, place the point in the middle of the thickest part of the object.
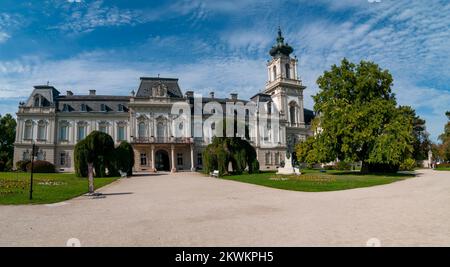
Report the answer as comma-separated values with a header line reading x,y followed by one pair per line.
x,y
288,168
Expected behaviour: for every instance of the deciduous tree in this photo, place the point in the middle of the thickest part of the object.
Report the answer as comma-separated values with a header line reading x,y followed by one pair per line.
x,y
359,118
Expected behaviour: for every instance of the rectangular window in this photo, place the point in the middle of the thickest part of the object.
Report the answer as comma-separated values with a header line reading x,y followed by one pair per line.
x,y
81,132
143,159
103,129
83,107
180,159
63,133
120,108
41,132
121,133
277,158
268,158
62,159
199,159
102,107
28,131
40,155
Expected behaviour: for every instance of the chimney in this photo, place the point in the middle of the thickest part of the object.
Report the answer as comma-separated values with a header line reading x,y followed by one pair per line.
x,y
211,94
234,96
92,92
69,93
189,94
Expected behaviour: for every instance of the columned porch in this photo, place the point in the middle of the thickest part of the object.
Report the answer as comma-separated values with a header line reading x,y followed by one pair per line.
x,y
171,157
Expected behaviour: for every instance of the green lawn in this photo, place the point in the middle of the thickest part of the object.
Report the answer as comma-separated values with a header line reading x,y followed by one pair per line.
x,y
316,181
47,188
443,169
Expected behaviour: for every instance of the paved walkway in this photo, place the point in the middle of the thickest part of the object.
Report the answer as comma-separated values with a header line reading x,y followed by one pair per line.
x,y
187,209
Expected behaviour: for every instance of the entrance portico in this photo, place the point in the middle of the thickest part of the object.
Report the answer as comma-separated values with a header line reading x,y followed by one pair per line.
x,y
155,155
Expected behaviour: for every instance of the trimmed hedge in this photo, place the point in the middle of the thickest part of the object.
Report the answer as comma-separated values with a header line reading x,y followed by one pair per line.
x,y
41,166
21,165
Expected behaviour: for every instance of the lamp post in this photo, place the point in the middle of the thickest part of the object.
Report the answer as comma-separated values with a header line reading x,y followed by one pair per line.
x,y
32,169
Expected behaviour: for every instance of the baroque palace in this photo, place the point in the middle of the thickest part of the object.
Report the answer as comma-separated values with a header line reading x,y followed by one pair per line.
x,y
55,122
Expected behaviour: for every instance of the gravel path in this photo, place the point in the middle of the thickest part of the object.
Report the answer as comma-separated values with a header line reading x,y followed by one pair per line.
x,y
187,209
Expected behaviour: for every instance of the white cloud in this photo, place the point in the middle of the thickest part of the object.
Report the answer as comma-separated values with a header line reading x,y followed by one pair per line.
x,y
4,37
85,18
8,23
89,71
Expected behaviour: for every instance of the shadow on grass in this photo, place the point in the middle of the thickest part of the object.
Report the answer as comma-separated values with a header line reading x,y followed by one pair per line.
x,y
357,173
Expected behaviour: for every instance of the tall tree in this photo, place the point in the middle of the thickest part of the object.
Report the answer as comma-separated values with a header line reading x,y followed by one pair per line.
x,y
359,117
444,148
421,141
96,152
7,138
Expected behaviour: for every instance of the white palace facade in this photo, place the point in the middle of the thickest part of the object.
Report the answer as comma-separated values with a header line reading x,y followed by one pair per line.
x,y
55,122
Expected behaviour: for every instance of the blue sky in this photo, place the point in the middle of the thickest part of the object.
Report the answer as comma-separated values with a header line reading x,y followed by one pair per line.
x,y
222,45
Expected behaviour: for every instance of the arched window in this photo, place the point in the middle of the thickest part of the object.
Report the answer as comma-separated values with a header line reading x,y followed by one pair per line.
x,y
288,71
28,133
274,72
42,130
141,129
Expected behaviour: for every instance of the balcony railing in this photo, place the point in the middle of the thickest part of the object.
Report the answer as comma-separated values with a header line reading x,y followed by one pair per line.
x,y
162,140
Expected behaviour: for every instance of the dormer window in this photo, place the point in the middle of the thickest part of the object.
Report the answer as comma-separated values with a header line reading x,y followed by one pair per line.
x,y
66,108
83,108
103,107
37,101
120,108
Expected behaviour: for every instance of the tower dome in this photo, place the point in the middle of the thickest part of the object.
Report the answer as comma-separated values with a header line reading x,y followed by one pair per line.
x,y
281,48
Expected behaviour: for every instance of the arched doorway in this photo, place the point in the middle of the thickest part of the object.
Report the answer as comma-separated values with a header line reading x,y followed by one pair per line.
x,y
162,162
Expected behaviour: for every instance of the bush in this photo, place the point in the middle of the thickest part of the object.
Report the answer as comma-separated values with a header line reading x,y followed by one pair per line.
x,y
343,166
41,166
408,165
21,165
224,150
124,158
329,167
2,166
254,166
443,165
